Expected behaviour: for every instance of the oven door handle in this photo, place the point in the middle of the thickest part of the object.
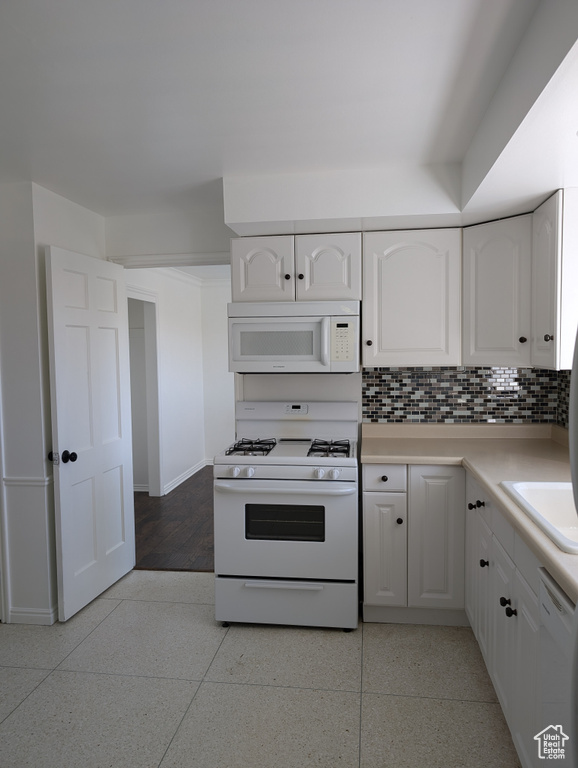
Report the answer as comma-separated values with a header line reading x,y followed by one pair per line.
x,y
242,486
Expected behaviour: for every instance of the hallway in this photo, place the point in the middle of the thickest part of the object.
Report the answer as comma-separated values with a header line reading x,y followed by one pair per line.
x,y
175,532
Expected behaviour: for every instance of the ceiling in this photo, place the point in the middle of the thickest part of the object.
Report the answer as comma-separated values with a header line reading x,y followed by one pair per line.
x,y
139,106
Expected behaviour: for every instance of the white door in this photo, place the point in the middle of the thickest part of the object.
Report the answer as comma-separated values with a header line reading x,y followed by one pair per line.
x,y
385,549
411,298
263,268
497,260
91,426
328,267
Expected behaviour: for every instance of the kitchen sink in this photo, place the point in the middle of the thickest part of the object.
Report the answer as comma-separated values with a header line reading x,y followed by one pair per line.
x,y
551,506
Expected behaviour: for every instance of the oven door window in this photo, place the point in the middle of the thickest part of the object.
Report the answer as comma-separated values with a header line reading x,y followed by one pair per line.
x,y
285,522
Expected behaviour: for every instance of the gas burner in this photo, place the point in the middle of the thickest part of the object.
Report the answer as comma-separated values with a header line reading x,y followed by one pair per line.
x,y
248,447
329,448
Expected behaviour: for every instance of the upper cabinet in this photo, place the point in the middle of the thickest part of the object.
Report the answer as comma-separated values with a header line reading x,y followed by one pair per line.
x,y
301,268
496,293
411,298
555,280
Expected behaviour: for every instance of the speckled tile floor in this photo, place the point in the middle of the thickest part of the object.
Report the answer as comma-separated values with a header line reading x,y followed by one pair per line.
x,y
144,677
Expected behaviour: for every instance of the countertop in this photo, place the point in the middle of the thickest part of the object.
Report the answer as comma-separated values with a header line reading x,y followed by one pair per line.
x,y
491,453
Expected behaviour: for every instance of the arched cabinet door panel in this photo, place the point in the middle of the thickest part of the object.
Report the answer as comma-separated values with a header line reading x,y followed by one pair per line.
x,y
262,268
411,298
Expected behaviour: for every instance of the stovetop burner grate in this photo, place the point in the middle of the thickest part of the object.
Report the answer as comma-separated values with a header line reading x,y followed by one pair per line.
x,y
329,448
248,447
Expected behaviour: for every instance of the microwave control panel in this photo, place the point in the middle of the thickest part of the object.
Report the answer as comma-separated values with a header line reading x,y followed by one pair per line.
x,y
343,340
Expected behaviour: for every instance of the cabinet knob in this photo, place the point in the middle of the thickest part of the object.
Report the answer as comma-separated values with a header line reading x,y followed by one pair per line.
x,y
384,478
480,503
287,277
548,337
369,342
484,563
522,339
301,276
471,506
399,520
504,601
511,612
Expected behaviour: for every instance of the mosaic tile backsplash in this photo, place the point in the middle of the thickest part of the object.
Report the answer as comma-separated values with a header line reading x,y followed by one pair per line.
x,y
466,394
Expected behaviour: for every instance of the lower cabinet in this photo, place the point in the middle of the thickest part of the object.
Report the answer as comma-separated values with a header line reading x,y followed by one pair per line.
x,y
413,533
502,605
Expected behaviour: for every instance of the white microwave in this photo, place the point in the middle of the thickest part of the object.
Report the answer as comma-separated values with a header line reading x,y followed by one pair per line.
x,y
296,337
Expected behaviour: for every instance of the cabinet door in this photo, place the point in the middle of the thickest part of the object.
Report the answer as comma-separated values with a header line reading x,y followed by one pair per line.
x,y
385,548
411,298
328,267
502,647
546,232
262,269
526,721
436,537
497,279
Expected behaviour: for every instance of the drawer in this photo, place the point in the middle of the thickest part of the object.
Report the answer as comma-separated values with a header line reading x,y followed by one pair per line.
x,y
385,477
294,602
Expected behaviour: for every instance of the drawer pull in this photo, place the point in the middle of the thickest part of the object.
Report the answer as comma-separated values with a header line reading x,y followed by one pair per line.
x,y
384,478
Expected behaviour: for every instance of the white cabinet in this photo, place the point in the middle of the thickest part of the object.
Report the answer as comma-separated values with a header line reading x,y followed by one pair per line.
x,y
411,298
262,269
385,548
328,267
555,280
436,537
301,268
502,605
477,567
496,293
413,543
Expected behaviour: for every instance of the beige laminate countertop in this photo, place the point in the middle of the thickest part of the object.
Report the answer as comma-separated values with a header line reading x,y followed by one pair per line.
x,y
491,453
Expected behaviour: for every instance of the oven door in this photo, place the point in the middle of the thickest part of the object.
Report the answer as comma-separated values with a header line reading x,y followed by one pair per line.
x,y
286,529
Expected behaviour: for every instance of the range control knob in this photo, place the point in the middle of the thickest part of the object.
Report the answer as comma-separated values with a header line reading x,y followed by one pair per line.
x,y
319,473
250,471
334,474
235,471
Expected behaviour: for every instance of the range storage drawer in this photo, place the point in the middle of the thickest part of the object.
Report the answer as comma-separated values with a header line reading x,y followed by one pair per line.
x,y
385,477
293,602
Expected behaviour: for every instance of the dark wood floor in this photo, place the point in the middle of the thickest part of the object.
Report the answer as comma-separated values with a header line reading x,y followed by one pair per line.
x,y
175,532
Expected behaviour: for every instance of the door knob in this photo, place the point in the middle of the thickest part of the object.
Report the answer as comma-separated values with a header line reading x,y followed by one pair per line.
x,y
287,277
399,521
548,337
369,342
300,276
522,339
68,456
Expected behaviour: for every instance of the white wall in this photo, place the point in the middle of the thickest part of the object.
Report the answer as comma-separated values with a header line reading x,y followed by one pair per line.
x,y
180,352
219,384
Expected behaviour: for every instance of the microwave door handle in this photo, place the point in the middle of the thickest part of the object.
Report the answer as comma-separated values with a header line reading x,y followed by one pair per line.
x,y
325,340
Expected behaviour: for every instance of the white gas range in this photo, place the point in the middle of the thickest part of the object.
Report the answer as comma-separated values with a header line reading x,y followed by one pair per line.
x,y
286,516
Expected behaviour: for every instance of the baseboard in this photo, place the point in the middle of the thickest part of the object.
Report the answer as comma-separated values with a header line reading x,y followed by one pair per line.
x,y
185,476
45,617
141,488
449,617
